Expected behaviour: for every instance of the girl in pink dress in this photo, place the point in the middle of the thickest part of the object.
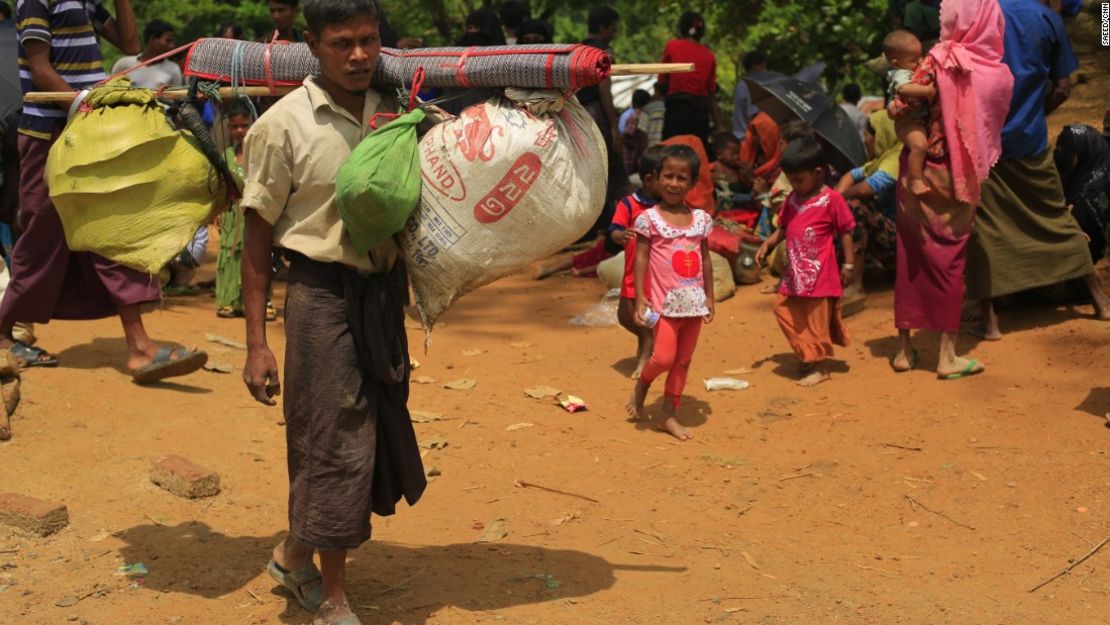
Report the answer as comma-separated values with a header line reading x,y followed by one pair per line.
x,y
808,310
672,252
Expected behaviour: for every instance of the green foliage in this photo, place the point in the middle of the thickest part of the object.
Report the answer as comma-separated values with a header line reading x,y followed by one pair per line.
x,y
843,33
193,19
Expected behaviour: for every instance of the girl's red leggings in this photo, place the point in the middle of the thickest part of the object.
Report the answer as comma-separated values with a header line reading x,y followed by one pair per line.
x,y
675,340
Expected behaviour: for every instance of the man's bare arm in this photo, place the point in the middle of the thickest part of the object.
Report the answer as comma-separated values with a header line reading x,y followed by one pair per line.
x,y
122,31
43,74
1061,89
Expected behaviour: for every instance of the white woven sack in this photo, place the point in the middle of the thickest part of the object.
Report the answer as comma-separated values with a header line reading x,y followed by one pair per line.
x,y
510,181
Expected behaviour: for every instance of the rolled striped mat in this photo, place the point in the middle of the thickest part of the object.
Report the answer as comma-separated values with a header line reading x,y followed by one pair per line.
x,y
564,67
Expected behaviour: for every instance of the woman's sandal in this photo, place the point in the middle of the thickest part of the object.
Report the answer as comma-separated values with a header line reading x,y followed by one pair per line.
x,y
271,312
295,582
168,363
227,312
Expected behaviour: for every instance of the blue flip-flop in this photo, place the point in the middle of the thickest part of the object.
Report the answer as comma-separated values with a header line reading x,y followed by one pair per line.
x,y
29,356
165,365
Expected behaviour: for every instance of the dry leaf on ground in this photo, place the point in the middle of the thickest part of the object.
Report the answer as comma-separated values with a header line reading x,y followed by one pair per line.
x,y
565,518
423,416
222,340
519,426
435,442
542,391
462,384
497,530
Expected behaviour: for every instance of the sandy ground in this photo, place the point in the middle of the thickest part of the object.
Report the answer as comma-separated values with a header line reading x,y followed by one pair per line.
x,y
875,498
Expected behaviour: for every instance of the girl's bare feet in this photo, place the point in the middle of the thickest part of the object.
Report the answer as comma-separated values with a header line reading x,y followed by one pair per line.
x,y
666,422
815,375
635,406
671,426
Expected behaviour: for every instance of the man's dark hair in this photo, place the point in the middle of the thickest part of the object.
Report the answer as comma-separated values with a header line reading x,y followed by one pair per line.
x,y
752,59
691,24
795,129
292,3
601,18
651,161
238,108
155,29
851,93
659,88
234,27
681,153
5,10
319,14
536,27
514,12
802,155
640,98
725,139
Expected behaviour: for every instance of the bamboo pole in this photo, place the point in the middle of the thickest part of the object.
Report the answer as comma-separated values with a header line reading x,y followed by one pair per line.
x,y
640,69
66,97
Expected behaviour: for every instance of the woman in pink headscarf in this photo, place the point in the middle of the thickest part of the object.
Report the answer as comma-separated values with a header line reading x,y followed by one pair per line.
x,y
973,95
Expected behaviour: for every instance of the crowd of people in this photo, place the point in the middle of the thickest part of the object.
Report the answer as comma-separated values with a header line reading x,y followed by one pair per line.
x,y
961,187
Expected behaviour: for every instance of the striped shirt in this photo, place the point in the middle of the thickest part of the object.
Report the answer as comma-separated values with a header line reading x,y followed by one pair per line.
x,y
71,27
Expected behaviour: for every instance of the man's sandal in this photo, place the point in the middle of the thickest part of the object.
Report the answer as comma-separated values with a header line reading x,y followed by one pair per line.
x,y
296,581
32,356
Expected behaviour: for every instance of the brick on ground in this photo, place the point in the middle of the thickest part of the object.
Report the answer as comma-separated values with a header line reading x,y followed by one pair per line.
x,y
184,478
32,515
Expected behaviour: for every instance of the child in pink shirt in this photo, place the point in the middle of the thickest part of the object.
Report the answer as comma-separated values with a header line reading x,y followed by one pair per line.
x,y
808,310
674,284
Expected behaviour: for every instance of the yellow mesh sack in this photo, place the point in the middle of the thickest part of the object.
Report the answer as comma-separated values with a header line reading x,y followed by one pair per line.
x,y
128,185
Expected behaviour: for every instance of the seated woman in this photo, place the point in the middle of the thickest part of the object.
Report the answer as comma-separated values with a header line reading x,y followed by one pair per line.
x,y
761,150
870,194
1083,159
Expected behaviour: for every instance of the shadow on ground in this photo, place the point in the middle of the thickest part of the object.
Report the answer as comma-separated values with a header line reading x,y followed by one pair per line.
x,y
407,582
1097,403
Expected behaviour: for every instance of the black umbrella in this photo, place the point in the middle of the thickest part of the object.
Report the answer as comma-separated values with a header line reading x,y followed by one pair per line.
x,y
785,99
11,95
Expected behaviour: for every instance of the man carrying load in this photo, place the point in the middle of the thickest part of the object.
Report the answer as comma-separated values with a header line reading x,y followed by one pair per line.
x,y
59,51
350,443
